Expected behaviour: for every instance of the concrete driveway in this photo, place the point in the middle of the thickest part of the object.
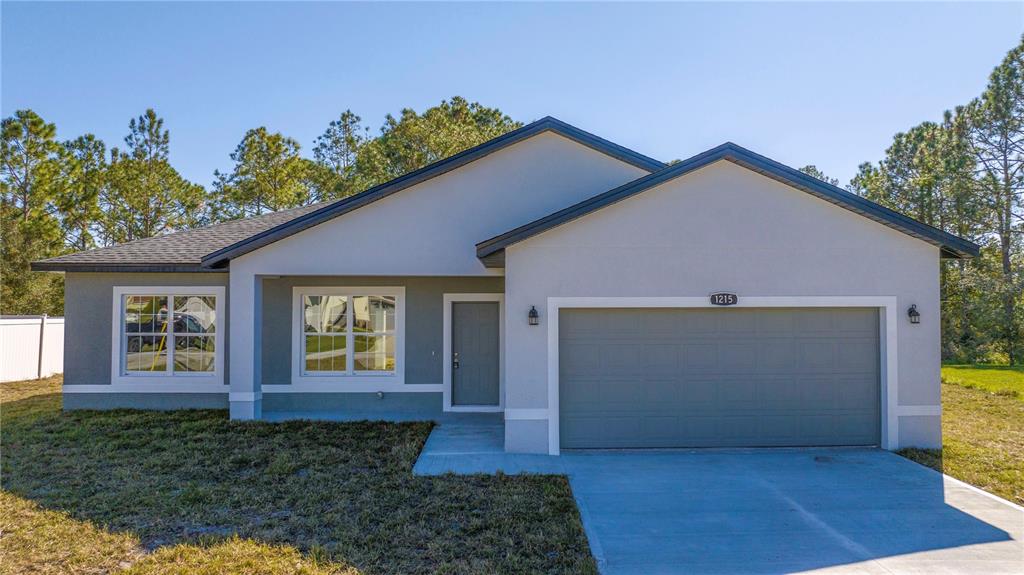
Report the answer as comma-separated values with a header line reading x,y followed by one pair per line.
x,y
760,511
788,511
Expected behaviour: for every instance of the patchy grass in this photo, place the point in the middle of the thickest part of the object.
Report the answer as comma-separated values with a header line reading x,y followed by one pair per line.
x,y
1004,380
191,491
983,441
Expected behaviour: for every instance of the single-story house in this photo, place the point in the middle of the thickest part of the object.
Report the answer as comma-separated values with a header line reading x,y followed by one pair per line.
x,y
594,296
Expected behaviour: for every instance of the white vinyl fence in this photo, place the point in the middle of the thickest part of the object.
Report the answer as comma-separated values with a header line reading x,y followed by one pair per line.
x,y
31,346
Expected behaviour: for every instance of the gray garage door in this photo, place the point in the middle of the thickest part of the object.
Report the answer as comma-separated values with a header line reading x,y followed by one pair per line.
x,y
718,377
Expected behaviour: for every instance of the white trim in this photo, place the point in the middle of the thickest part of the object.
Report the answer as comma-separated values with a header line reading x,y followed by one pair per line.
x,y
245,396
446,352
887,306
355,387
525,414
913,410
169,387
341,383
170,382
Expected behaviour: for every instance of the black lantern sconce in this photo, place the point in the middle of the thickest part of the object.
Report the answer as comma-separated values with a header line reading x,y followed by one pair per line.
x,y
913,314
533,317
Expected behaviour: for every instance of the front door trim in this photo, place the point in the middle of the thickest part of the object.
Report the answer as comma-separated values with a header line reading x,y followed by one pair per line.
x,y
886,305
446,354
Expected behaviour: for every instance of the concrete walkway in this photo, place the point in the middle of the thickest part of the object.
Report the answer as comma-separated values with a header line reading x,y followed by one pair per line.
x,y
761,511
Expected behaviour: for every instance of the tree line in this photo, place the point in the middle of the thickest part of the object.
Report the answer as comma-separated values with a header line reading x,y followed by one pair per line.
x,y
963,173
60,196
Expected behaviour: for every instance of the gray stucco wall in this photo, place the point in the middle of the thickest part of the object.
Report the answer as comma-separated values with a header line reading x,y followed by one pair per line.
x,y
424,319
157,401
722,228
88,309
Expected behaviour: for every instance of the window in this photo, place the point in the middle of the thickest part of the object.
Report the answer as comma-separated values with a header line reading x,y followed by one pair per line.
x,y
347,331
165,332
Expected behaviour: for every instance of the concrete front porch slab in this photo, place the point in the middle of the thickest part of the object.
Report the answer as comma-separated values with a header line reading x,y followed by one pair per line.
x,y
467,447
760,511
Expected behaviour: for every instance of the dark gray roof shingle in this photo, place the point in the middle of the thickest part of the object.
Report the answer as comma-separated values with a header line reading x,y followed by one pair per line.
x,y
178,251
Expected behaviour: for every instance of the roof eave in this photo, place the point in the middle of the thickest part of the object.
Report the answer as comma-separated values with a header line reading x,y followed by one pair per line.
x,y
52,266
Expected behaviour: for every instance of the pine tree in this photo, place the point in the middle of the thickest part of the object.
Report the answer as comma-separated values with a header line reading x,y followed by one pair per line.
x,y
29,171
997,143
269,175
143,195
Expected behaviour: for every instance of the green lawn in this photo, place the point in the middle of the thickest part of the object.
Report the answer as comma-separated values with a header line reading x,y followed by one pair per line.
x,y
1003,380
191,491
982,429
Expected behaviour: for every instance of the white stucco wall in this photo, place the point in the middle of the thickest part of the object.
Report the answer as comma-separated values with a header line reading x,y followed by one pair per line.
x,y
430,229
722,228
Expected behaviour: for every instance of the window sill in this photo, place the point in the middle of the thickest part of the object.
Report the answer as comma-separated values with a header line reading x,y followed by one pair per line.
x,y
346,376
151,385
342,380
168,381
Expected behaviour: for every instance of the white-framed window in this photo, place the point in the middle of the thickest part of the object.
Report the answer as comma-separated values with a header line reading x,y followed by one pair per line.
x,y
168,333
345,334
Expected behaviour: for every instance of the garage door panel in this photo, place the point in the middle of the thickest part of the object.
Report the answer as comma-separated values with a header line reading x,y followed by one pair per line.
x,y
780,392
854,390
706,378
601,393
622,358
777,429
738,393
698,393
855,425
738,324
665,393
774,322
856,353
813,321
693,325
816,355
855,322
774,355
658,359
610,431
661,428
700,356
581,359
741,357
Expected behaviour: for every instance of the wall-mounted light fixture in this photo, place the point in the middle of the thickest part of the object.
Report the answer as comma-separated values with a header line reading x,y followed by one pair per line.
x,y
533,317
913,314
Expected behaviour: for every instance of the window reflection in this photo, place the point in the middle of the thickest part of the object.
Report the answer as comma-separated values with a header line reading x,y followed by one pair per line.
x,y
333,324
154,334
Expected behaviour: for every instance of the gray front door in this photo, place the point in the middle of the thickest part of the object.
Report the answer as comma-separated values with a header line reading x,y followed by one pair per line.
x,y
475,370
718,377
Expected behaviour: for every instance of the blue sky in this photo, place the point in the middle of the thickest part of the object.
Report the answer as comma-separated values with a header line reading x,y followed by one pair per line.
x,y
827,84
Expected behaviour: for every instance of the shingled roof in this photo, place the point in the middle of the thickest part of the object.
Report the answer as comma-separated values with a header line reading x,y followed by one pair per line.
x,y
177,252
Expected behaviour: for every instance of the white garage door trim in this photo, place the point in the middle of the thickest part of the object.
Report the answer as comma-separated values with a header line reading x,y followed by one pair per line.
x,y
887,322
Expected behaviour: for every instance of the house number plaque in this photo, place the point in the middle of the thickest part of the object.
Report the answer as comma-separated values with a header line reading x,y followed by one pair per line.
x,y
724,299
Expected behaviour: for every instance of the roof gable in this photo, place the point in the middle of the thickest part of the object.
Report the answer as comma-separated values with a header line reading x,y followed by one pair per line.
x,y
491,251
220,257
211,248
